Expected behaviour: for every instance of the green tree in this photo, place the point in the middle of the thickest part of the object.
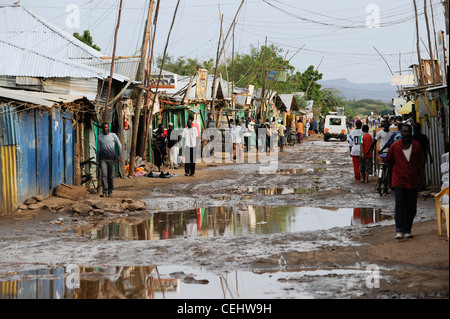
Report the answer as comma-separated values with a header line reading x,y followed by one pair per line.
x,y
183,66
86,38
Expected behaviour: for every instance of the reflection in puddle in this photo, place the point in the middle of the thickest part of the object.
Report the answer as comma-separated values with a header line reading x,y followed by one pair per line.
x,y
292,171
164,282
229,221
274,191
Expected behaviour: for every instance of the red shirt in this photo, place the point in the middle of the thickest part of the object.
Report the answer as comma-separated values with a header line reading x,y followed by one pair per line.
x,y
366,141
406,174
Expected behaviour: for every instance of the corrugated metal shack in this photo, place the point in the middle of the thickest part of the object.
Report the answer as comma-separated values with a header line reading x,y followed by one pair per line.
x,y
431,109
37,144
49,106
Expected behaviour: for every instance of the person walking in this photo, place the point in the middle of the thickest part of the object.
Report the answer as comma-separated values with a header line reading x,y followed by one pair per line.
x,y
307,125
106,146
173,146
159,145
190,136
407,158
282,136
365,157
236,138
425,143
353,143
383,136
299,129
247,132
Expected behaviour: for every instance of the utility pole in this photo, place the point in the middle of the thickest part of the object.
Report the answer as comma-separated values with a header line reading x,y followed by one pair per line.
x,y
112,63
213,91
418,45
429,41
264,75
220,53
147,117
150,119
140,77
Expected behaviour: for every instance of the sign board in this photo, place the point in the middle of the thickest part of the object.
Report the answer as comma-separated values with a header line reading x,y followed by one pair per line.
x,y
167,81
279,76
402,79
202,82
251,89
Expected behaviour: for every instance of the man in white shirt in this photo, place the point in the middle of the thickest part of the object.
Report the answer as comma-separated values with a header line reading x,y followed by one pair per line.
x,y
383,136
190,135
353,143
236,132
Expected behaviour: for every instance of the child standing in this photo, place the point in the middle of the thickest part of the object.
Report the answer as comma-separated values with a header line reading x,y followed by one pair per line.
x,y
365,156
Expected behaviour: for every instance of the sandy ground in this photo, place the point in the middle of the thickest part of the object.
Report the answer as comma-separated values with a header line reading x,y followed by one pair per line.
x,y
409,268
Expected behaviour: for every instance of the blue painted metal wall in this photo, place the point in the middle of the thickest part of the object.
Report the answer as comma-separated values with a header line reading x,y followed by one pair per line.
x,y
69,149
41,144
43,153
57,150
26,155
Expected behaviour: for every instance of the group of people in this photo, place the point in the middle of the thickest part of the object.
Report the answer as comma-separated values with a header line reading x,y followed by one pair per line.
x,y
406,151
266,135
166,142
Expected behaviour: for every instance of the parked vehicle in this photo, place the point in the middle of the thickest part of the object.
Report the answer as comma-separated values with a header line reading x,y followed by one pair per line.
x,y
335,127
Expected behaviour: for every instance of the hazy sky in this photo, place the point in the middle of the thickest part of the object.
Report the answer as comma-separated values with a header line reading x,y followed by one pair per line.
x,y
341,34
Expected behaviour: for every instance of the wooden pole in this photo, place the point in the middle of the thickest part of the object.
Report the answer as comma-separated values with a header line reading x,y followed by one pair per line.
x,y
417,43
147,116
232,72
220,53
140,77
162,64
213,91
112,62
263,93
429,41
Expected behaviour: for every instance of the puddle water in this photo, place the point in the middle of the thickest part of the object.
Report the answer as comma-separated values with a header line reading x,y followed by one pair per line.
x,y
230,221
161,282
292,171
251,192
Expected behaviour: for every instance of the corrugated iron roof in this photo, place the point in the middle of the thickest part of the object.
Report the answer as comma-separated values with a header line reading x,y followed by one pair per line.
x,y
38,98
26,29
124,67
17,61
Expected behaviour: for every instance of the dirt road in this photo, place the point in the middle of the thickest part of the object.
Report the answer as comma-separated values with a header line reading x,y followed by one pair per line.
x,y
336,262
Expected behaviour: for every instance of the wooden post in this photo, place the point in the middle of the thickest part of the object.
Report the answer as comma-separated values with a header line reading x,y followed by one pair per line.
x,y
429,41
162,65
112,62
140,77
417,43
220,53
147,117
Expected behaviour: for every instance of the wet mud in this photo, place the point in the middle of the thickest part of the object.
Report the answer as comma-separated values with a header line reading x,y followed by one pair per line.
x,y
307,230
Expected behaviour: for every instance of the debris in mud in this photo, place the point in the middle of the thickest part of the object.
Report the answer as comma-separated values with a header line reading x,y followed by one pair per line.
x,y
91,207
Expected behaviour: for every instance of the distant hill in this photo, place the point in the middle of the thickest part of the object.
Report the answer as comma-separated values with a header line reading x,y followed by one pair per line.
x,y
354,91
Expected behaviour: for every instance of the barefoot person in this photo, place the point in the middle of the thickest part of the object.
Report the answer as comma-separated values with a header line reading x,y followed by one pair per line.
x,y
407,159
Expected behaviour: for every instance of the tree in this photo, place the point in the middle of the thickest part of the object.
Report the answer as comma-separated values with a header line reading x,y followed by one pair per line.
x,y
86,38
183,66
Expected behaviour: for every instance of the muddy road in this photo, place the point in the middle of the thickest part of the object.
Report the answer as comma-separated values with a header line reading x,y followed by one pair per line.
x,y
303,229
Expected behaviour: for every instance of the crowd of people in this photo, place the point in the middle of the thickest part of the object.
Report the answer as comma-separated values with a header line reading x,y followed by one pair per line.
x,y
403,146
406,150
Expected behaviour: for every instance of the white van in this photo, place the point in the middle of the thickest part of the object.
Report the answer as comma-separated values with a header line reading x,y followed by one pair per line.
x,y
335,126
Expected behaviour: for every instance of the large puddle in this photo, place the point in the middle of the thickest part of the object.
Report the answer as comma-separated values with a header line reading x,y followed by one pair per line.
x,y
230,221
170,282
